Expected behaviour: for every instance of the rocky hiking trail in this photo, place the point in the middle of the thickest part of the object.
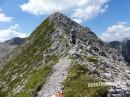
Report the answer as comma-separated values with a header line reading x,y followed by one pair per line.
x,y
72,44
53,83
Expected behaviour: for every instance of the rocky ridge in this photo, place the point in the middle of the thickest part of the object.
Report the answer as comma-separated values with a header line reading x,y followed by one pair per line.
x,y
83,43
60,43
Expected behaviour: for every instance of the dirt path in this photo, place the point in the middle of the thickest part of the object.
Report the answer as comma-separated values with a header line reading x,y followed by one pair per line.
x,y
53,82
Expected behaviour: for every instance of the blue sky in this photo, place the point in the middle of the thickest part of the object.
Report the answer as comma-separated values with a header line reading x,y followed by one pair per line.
x,y
109,19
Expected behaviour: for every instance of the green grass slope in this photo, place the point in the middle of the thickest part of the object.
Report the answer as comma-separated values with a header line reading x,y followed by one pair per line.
x,y
25,72
77,84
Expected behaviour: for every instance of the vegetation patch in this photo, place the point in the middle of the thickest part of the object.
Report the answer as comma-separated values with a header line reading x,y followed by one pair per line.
x,y
92,59
76,84
36,80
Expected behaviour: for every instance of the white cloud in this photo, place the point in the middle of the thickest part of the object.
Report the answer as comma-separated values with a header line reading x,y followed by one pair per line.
x,y
78,9
78,20
116,32
15,27
104,9
4,18
11,32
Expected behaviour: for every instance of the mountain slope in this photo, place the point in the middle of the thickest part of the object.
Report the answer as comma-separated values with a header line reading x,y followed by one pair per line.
x,y
19,72
41,66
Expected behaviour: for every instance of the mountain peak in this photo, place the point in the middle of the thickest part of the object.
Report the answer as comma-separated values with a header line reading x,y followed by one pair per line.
x,y
56,45
58,17
70,27
57,14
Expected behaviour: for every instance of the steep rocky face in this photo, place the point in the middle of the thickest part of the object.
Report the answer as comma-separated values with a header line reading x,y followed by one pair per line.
x,y
123,47
76,33
43,62
126,51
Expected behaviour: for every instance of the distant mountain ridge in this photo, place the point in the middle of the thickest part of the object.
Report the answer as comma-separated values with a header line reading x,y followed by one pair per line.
x,y
123,47
15,41
7,47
